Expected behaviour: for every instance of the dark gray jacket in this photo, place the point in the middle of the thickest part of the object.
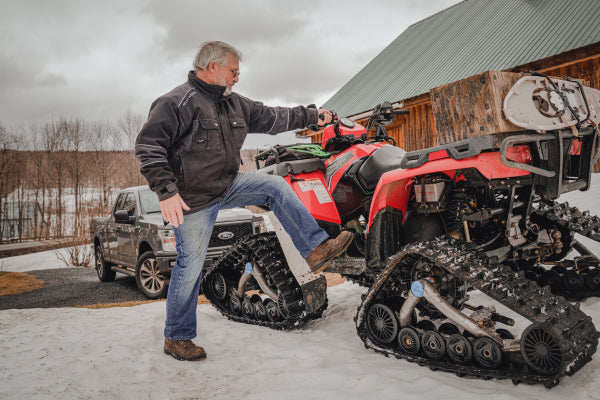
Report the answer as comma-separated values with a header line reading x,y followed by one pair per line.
x,y
191,142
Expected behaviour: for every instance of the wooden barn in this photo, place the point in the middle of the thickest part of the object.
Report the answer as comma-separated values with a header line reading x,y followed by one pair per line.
x,y
555,37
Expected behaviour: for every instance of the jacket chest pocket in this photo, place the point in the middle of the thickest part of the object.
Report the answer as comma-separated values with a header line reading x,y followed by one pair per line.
x,y
239,130
206,134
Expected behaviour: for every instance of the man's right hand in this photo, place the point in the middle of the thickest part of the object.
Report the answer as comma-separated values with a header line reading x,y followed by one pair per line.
x,y
172,209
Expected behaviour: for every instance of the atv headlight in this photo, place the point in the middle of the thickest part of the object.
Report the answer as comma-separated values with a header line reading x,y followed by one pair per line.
x,y
168,240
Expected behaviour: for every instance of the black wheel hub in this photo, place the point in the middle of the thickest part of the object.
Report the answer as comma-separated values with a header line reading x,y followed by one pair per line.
x,y
219,286
382,323
541,350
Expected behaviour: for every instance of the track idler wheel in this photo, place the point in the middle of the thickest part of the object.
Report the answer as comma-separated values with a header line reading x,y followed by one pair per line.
x,y
553,279
459,349
235,305
409,341
247,307
592,279
272,310
382,323
573,280
541,350
218,286
487,353
433,345
260,312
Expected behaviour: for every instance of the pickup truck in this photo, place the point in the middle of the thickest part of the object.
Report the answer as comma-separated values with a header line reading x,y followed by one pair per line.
x,y
134,240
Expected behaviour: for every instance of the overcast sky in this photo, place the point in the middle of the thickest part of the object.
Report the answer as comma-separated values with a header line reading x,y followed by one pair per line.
x,y
94,59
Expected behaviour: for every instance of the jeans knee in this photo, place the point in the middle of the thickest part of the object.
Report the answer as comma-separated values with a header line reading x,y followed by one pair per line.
x,y
278,185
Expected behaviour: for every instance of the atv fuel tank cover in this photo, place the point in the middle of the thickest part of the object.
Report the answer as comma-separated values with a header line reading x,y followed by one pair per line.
x,y
347,122
417,288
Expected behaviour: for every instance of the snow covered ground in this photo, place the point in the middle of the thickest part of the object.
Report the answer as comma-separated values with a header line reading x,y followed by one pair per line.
x,y
67,353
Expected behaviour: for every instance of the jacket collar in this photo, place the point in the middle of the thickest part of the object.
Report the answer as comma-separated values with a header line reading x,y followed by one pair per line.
x,y
214,91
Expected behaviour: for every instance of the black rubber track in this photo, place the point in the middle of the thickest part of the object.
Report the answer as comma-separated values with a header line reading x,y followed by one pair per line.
x,y
263,249
574,332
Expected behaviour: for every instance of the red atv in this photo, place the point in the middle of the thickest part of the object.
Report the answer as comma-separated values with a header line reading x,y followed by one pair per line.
x,y
452,241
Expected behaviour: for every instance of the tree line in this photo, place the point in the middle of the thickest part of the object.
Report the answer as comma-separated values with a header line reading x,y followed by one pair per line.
x,y
57,175
54,176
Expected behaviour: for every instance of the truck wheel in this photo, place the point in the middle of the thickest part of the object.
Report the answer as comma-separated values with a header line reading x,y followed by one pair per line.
x,y
105,274
149,279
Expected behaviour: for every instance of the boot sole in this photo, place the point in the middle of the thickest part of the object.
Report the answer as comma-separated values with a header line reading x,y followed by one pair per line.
x,y
197,358
325,263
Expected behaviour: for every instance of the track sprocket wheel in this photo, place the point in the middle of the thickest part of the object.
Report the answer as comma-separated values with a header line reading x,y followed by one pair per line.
x,y
382,323
541,350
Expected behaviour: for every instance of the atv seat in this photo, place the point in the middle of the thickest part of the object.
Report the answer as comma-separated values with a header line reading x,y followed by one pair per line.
x,y
382,160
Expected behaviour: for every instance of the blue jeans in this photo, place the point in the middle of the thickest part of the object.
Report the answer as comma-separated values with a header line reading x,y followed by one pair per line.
x,y
193,235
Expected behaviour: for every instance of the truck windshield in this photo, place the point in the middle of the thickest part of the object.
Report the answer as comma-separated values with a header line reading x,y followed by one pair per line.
x,y
149,201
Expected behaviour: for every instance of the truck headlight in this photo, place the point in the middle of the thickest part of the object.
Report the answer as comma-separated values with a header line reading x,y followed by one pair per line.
x,y
168,240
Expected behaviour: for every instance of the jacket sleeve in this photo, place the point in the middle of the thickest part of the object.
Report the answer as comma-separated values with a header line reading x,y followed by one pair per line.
x,y
152,144
273,120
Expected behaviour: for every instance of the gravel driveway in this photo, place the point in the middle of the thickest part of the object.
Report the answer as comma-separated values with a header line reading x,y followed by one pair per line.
x,y
68,287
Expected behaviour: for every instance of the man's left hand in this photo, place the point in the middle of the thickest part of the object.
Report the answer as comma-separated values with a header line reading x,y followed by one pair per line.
x,y
326,117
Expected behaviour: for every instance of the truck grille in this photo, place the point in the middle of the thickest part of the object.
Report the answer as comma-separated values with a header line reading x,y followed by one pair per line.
x,y
229,234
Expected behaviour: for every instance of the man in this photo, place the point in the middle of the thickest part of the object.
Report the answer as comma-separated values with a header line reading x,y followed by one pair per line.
x,y
189,152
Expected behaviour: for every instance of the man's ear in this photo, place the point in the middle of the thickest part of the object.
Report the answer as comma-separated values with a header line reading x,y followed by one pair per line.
x,y
212,66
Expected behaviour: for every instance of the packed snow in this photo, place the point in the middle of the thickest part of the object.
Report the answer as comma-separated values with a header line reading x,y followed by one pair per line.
x,y
116,353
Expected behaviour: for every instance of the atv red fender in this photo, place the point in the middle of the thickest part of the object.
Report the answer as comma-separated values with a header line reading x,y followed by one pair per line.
x,y
312,192
394,187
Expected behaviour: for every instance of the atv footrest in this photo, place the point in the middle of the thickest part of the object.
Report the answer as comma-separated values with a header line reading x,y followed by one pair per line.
x,y
347,266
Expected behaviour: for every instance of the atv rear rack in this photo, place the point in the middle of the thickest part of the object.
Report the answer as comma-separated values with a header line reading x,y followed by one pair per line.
x,y
551,156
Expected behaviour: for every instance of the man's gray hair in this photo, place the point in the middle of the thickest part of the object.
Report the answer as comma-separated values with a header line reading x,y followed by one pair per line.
x,y
214,52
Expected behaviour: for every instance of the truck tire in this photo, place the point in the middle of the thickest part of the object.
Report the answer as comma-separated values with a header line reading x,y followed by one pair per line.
x,y
103,268
149,279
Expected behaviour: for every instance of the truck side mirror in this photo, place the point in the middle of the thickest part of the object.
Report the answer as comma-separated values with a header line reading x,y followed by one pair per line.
x,y
122,217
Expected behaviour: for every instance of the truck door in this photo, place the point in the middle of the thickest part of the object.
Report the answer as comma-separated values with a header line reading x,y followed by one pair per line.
x,y
125,233
110,248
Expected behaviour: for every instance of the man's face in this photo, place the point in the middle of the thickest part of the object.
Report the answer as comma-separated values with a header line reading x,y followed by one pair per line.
x,y
227,73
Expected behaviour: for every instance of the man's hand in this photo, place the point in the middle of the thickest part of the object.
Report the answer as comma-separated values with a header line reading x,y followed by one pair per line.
x,y
172,209
326,117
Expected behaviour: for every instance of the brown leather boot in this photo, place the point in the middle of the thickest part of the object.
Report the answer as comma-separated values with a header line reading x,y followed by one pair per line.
x,y
184,350
320,258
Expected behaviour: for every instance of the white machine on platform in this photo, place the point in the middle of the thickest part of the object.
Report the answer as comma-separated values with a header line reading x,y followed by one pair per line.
x,y
542,103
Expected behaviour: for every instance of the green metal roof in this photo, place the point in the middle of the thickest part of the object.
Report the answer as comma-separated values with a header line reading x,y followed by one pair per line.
x,y
466,39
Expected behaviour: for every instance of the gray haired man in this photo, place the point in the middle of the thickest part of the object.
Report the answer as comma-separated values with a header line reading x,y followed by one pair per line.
x,y
189,152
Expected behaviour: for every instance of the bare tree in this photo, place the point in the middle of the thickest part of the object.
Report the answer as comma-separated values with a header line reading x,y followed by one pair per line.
x,y
103,137
8,171
76,137
130,124
40,180
55,144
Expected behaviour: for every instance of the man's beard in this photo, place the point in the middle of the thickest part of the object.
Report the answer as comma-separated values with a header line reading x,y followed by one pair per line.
x,y
228,91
